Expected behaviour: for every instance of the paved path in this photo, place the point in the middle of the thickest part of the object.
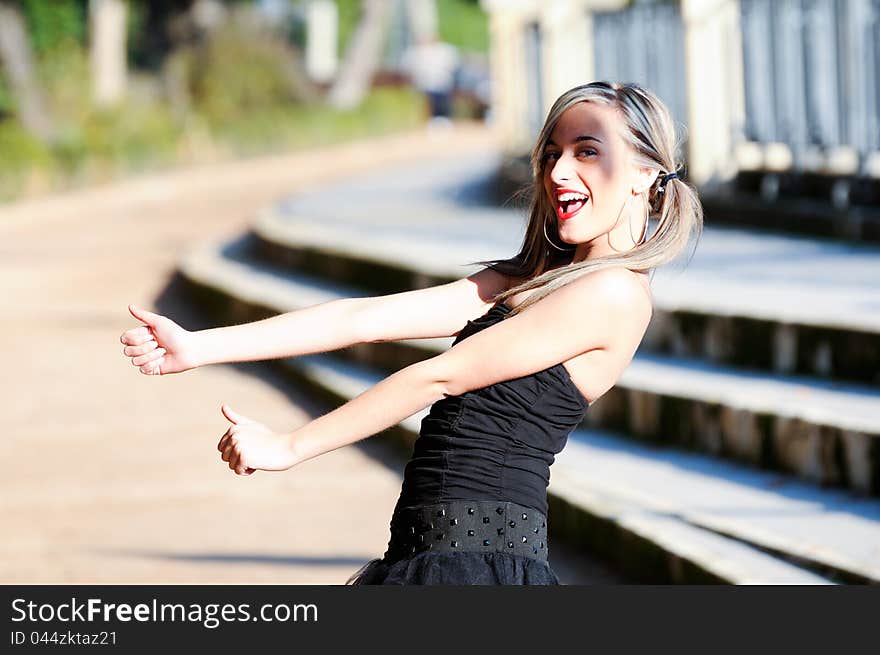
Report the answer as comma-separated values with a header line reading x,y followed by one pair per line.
x,y
114,476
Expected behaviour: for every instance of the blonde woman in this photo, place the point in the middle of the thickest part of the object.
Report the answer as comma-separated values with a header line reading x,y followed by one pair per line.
x,y
539,337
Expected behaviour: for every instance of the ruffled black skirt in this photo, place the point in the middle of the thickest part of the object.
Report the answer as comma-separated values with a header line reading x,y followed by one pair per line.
x,y
463,542
465,568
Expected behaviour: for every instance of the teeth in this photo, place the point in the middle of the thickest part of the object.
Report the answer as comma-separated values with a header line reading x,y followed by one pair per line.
x,y
569,196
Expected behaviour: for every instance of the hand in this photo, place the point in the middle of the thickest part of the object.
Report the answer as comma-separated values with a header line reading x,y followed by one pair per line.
x,y
248,446
159,347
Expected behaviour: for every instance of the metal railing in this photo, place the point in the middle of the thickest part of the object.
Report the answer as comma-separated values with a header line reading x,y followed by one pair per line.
x,y
810,69
644,44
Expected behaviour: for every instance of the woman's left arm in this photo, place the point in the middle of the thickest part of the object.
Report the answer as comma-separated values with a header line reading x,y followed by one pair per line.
x,y
382,406
249,445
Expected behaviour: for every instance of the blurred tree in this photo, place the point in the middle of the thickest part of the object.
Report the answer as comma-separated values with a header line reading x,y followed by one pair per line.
x,y
363,55
17,60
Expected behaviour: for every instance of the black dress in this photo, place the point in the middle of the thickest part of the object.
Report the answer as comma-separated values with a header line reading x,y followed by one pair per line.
x,y
492,446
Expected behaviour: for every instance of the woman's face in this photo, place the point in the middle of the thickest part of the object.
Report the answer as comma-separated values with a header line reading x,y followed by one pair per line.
x,y
588,175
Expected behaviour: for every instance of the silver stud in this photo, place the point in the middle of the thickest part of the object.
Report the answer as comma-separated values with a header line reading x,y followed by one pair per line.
x,y
524,539
485,519
470,533
441,512
500,530
500,510
486,542
512,524
453,522
470,510
524,516
454,544
510,544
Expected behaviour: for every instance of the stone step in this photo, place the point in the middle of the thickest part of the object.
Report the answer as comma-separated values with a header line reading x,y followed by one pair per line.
x,y
798,215
645,544
767,302
826,433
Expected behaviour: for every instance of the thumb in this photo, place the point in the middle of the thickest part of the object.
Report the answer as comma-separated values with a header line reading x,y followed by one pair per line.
x,y
142,314
234,416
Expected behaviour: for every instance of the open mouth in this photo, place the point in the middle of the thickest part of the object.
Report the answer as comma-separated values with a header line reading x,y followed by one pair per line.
x,y
569,204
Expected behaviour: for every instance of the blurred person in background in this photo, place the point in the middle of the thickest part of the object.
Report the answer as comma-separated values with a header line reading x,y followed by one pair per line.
x,y
432,65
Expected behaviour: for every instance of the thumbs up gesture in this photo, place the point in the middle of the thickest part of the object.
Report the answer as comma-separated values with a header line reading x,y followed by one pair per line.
x,y
248,446
160,346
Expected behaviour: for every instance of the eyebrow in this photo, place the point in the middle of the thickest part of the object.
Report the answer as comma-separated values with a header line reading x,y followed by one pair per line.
x,y
583,137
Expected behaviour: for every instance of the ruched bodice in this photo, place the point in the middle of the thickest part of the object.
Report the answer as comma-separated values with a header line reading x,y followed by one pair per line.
x,y
497,442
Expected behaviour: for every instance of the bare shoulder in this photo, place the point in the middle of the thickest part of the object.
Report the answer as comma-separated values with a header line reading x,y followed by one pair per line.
x,y
625,287
627,292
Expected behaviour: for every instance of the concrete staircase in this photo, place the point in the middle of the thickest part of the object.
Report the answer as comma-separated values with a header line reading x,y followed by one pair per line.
x,y
741,444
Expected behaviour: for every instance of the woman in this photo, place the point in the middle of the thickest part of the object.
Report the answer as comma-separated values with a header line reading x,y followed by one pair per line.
x,y
515,383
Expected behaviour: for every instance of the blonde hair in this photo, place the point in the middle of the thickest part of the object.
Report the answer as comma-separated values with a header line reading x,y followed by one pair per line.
x,y
650,132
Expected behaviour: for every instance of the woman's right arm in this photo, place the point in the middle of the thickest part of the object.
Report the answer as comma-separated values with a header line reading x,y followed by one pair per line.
x,y
437,311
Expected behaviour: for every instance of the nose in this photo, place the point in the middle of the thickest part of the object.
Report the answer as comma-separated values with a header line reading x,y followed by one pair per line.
x,y
562,170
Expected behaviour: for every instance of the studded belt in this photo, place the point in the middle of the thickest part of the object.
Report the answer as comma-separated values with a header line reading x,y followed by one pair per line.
x,y
468,525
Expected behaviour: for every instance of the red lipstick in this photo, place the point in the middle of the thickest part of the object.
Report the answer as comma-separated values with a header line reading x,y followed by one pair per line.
x,y
567,209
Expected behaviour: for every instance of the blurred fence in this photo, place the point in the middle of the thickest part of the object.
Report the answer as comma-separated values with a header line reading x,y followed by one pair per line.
x,y
658,64
811,71
757,84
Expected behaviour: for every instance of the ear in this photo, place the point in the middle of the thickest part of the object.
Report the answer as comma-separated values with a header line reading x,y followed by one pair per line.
x,y
643,179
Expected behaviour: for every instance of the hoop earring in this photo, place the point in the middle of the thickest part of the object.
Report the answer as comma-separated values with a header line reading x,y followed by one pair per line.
x,y
644,229
548,238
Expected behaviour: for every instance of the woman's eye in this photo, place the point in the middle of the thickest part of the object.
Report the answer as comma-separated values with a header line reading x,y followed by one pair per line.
x,y
589,152
548,155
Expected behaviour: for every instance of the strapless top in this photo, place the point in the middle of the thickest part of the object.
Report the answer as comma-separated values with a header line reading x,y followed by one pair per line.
x,y
497,442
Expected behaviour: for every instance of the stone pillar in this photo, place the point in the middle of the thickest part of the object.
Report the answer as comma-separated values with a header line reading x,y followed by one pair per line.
x,y
568,49
715,88
107,36
507,70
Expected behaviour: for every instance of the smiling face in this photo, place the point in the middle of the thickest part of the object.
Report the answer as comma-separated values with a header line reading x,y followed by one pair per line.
x,y
588,175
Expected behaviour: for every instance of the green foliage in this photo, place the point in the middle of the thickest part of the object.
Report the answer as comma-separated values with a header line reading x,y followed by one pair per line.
x,y
234,74
7,100
386,109
237,92
22,154
55,24
464,24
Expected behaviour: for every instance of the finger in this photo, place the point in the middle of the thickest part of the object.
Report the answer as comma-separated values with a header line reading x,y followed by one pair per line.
x,y
234,416
147,356
135,335
224,440
151,356
145,340
228,454
153,368
248,471
141,349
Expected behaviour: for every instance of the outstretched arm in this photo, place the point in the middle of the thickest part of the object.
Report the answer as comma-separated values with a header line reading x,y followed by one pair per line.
x,y
319,328
437,311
